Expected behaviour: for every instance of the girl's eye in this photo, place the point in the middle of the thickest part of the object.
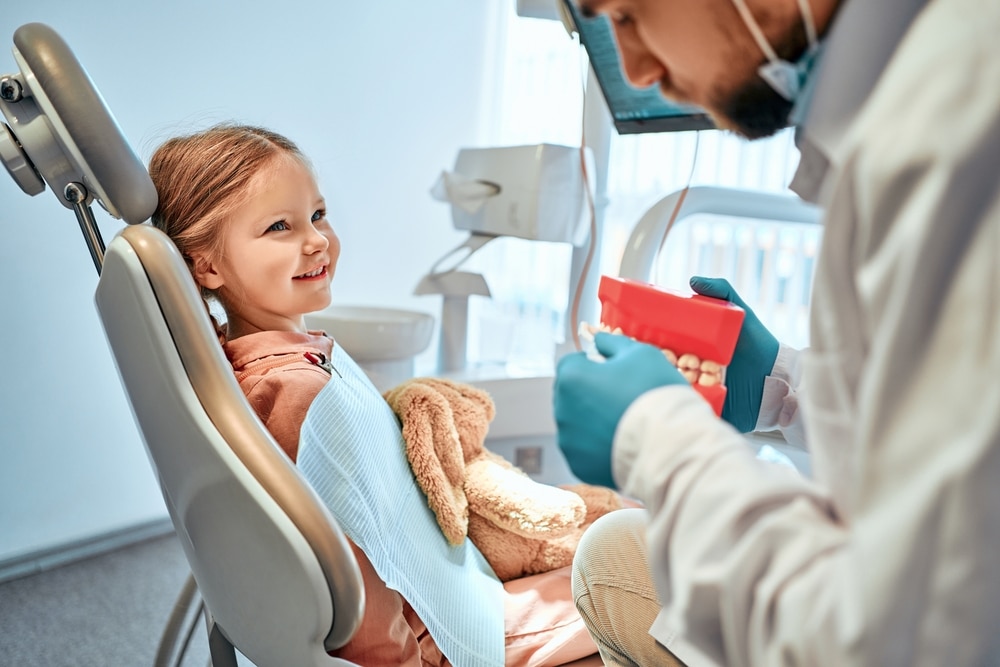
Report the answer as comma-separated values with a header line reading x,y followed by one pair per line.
x,y
279,226
318,215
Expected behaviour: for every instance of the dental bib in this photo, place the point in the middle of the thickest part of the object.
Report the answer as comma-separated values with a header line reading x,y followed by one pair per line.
x,y
352,453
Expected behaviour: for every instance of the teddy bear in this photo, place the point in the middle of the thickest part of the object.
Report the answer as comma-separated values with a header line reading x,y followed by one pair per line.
x,y
520,526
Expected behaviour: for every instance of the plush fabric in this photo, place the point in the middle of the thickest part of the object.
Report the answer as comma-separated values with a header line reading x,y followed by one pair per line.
x,y
522,527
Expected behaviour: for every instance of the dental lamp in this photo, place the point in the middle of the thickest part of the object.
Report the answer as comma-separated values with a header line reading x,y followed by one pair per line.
x,y
59,132
535,192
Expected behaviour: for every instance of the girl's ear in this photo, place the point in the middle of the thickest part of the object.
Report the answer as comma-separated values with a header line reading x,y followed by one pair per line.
x,y
205,272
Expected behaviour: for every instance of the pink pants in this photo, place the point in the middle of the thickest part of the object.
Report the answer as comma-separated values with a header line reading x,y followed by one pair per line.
x,y
543,627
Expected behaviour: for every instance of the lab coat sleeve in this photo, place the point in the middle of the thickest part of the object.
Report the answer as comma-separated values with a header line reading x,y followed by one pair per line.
x,y
732,539
779,405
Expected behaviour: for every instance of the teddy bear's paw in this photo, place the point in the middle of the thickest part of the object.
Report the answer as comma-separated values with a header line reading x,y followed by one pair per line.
x,y
556,553
515,502
599,500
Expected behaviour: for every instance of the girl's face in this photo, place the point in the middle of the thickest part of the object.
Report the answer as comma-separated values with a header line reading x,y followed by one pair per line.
x,y
279,254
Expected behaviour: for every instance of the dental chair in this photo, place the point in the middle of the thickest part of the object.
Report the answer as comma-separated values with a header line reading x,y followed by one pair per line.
x,y
275,574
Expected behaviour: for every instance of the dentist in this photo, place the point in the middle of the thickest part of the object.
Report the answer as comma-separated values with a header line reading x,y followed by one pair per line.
x,y
889,555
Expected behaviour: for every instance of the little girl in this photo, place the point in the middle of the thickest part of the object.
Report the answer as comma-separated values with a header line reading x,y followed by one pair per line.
x,y
242,205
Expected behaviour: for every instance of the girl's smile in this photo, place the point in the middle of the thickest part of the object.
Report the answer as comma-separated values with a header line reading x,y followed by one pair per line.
x,y
319,272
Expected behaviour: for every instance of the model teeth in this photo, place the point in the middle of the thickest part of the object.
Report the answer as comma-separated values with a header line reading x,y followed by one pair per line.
x,y
312,274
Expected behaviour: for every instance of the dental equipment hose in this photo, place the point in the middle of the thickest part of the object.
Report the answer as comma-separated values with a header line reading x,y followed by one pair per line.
x,y
574,310
573,314
680,202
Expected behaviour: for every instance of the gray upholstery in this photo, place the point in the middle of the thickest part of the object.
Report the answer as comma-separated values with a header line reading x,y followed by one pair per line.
x,y
63,125
274,570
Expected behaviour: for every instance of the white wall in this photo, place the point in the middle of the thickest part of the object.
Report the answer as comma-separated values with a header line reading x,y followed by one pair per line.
x,y
380,94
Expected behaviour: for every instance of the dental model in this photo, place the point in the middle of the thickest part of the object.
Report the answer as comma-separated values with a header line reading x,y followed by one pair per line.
x,y
705,373
696,333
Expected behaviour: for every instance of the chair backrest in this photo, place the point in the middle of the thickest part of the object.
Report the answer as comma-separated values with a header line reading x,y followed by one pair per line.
x,y
271,564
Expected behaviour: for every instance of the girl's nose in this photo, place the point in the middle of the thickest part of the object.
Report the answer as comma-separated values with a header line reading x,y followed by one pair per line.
x,y
315,241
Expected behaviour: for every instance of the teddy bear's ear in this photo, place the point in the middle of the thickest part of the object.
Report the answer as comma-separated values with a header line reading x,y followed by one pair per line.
x,y
434,453
473,410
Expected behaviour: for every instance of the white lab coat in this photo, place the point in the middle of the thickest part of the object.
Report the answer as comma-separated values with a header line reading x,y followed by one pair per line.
x,y
891,556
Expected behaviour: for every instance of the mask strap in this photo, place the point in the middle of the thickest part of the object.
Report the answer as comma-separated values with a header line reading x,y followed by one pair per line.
x,y
784,77
809,23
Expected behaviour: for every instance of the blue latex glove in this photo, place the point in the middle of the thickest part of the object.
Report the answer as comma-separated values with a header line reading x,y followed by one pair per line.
x,y
756,350
590,398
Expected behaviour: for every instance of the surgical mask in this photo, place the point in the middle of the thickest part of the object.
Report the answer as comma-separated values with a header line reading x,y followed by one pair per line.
x,y
784,77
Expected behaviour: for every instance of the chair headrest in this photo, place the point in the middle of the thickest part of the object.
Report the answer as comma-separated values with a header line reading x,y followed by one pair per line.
x,y
60,131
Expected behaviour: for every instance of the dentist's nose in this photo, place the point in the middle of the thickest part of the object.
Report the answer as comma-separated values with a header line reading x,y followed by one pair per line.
x,y
641,68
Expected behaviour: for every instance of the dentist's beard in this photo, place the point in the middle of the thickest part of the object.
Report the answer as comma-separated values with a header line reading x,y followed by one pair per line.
x,y
754,111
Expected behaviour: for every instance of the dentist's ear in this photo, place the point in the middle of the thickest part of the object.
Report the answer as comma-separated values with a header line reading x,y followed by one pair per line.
x,y
205,273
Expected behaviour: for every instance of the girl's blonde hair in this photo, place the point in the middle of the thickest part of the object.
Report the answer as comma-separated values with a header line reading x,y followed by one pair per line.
x,y
202,178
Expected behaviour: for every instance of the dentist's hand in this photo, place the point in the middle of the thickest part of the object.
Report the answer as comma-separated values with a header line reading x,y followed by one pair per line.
x,y
591,396
756,350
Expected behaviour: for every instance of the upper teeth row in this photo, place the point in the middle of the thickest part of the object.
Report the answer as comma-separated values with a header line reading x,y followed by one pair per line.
x,y
312,273
697,371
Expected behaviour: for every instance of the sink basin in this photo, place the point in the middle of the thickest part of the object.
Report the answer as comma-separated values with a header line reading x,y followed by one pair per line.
x,y
383,341
375,334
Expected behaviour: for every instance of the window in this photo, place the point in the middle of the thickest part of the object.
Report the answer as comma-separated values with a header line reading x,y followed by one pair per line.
x,y
541,100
